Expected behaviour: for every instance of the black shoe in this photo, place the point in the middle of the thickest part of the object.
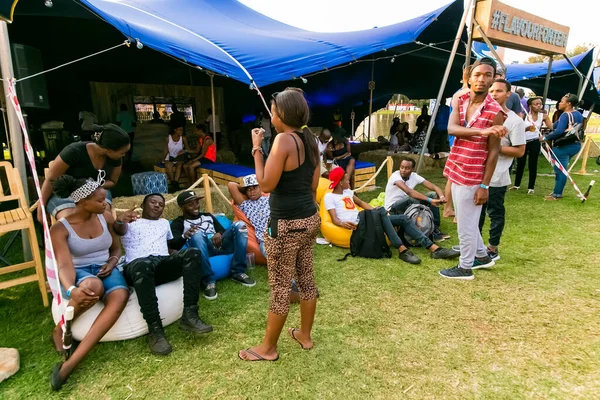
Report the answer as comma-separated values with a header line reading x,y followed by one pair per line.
x,y
444,254
158,342
439,236
457,273
191,322
243,279
55,380
409,257
493,255
483,262
210,292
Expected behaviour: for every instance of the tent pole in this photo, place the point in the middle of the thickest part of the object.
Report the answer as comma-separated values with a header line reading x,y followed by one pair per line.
x,y
470,36
547,84
371,87
589,75
212,100
491,46
461,26
13,128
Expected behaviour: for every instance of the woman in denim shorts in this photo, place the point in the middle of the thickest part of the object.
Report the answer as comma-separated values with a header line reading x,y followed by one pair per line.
x,y
87,251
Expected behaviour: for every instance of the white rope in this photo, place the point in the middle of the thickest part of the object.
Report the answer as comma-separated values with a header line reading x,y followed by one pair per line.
x,y
125,43
228,201
384,163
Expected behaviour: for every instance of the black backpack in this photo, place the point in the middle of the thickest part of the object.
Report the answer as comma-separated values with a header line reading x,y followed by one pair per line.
x,y
368,240
422,216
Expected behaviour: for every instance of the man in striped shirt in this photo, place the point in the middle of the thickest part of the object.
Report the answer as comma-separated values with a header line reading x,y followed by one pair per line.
x,y
477,122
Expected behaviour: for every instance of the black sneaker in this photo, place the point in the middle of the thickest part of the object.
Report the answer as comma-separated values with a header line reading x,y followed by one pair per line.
x,y
493,255
439,236
483,262
158,342
191,322
243,279
444,254
409,257
456,247
457,273
210,292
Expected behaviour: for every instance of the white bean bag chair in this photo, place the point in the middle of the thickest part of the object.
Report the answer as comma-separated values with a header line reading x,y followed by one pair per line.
x,y
131,323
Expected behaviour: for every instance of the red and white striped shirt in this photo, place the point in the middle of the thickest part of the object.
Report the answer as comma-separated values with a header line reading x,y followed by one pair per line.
x,y
466,162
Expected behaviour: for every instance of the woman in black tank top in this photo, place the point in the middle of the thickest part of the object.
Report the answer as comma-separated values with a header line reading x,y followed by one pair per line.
x,y
291,175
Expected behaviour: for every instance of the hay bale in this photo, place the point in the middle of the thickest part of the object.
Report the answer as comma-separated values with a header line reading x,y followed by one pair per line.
x,y
378,156
226,156
172,210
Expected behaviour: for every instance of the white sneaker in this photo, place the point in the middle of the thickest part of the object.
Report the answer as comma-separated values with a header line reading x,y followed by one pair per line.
x,y
530,191
514,188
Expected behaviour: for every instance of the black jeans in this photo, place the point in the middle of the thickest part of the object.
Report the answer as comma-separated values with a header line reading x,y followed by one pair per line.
x,y
532,149
144,274
496,211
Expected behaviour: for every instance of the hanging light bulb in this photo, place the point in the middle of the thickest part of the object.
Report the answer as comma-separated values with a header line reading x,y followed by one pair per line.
x,y
304,80
48,3
393,59
139,44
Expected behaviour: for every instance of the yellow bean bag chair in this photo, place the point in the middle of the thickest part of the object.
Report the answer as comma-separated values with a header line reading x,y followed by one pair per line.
x,y
322,189
336,235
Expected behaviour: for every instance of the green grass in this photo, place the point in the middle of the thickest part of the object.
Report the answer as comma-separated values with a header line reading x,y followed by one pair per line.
x,y
527,329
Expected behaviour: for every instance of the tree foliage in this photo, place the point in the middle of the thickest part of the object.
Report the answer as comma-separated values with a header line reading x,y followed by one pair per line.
x,y
579,49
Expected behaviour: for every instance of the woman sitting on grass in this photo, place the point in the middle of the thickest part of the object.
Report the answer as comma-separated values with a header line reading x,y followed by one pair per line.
x,y
87,251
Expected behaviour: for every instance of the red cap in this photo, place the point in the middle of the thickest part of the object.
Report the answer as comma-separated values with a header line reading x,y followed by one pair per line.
x,y
335,176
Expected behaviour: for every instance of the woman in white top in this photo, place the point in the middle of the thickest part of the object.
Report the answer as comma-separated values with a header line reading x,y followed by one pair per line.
x,y
175,154
535,119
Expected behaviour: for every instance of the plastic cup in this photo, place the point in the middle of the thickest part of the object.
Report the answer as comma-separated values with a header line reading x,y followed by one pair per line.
x,y
250,261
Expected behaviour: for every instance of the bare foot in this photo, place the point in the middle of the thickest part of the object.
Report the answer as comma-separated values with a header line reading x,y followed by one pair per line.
x,y
258,354
455,221
449,214
305,342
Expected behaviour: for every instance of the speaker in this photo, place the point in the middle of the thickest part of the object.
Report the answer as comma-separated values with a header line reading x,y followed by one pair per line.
x,y
32,92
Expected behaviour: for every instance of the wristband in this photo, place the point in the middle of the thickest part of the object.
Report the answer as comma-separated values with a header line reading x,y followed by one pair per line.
x,y
70,289
115,257
255,149
486,187
429,200
118,222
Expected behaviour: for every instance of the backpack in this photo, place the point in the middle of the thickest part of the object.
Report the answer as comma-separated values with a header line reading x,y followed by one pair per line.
x,y
422,216
368,240
575,132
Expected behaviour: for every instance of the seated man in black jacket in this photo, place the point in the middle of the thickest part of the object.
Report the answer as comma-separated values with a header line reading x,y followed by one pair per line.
x,y
202,231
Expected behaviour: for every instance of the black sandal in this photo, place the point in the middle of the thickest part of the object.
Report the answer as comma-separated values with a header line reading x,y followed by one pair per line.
x,y
258,356
55,380
291,333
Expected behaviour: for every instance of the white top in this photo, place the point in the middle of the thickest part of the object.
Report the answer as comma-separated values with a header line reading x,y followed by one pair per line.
x,y
322,146
344,206
538,125
393,193
393,140
89,119
204,222
146,237
516,137
265,123
209,121
174,147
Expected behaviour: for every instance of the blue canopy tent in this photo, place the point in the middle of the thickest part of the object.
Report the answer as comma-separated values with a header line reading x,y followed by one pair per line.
x,y
563,78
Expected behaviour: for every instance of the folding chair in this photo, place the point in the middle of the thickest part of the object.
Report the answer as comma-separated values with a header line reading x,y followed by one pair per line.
x,y
15,220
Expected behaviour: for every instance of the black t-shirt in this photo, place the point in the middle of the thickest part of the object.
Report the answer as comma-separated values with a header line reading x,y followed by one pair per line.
x,y
80,165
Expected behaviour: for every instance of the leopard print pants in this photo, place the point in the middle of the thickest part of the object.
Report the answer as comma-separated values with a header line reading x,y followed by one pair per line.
x,y
291,253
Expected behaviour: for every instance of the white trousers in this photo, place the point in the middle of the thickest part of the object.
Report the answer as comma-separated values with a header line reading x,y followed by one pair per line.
x,y
467,217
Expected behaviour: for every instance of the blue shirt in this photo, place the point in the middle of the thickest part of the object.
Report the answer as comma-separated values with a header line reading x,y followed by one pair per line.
x,y
562,124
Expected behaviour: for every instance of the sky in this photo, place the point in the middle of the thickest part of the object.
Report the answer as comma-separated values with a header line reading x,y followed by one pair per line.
x,y
339,16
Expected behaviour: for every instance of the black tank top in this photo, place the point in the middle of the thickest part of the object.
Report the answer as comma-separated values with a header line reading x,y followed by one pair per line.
x,y
292,197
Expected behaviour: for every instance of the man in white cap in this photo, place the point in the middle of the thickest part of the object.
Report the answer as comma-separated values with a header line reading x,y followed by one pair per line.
x,y
201,230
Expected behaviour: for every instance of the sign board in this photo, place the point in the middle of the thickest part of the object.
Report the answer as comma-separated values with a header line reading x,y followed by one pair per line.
x,y
513,28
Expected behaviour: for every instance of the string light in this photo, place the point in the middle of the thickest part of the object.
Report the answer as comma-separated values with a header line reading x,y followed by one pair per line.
x,y
393,59
304,80
139,44
48,3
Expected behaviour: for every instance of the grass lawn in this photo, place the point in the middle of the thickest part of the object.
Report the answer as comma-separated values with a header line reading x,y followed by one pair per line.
x,y
527,329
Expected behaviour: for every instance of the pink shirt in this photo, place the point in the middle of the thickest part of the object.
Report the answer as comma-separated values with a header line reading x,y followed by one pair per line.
x,y
466,162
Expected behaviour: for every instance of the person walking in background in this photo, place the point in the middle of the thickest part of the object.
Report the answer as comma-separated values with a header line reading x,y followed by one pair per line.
x,y
126,121
564,147
514,100
512,145
291,175
477,122
534,121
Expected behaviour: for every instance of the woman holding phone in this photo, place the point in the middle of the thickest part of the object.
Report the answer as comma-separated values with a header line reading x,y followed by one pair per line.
x,y
291,175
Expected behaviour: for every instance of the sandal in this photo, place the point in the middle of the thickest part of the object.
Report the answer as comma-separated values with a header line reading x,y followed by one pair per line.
x,y
291,333
258,356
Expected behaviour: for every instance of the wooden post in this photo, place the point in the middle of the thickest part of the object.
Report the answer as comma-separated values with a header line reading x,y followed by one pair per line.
x,y
586,155
207,197
390,166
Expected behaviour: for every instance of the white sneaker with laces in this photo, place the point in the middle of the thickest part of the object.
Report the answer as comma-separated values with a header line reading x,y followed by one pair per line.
x,y
530,191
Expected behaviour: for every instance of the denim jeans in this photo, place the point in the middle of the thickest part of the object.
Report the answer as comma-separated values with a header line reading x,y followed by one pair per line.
x,y
409,227
497,212
234,241
401,205
563,154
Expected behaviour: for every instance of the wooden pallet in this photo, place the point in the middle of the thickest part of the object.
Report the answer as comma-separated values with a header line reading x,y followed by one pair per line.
x,y
219,177
361,176
182,179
